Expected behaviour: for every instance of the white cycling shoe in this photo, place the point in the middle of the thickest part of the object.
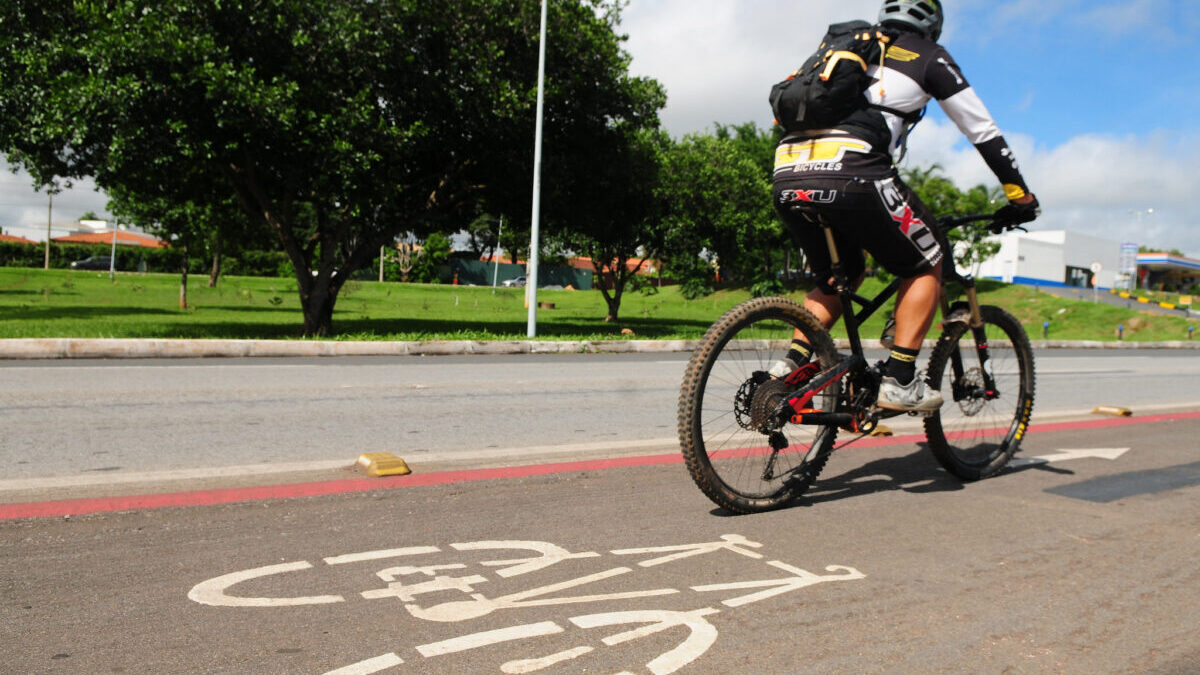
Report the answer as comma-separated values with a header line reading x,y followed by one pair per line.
x,y
782,368
911,397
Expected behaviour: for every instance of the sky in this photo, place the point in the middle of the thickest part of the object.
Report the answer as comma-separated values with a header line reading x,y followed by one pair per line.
x,y
1100,100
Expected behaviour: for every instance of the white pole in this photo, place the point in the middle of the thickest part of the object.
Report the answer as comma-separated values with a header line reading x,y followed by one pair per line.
x,y
112,258
496,255
49,219
531,275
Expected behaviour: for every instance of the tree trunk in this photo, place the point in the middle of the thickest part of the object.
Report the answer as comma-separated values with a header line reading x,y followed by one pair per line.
x,y
317,304
216,266
183,280
614,306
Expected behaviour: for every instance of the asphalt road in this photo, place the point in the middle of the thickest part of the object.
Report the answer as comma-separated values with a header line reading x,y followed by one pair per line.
x,y
1079,558
82,425
1083,564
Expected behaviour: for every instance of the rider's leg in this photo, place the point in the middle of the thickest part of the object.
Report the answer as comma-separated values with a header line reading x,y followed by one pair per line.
x,y
827,307
916,306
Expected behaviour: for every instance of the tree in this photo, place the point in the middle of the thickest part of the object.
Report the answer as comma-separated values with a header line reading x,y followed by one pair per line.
x,y
716,199
434,253
621,221
337,124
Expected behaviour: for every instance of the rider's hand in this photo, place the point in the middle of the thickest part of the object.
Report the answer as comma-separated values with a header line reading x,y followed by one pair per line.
x,y
1016,212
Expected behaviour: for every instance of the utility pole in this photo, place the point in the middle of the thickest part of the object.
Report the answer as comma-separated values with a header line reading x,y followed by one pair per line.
x,y
532,275
49,219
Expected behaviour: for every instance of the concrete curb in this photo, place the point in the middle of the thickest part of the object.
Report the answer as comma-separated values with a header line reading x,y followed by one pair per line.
x,y
91,348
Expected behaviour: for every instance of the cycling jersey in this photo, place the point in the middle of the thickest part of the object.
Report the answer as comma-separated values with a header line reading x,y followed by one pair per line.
x,y
914,71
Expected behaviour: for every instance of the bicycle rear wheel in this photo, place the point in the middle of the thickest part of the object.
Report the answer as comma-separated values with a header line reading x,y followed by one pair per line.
x,y
725,396
976,432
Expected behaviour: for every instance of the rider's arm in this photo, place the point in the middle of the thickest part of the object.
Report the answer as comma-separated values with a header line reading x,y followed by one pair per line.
x,y
945,82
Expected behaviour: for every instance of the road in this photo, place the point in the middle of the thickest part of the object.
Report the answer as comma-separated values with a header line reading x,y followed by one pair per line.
x,y
1079,558
82,424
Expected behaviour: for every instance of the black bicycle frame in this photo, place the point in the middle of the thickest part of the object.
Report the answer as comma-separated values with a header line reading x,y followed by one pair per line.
x,y
797,402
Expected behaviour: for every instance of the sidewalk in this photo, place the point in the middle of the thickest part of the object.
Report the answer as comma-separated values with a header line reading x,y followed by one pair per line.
x,y
88,348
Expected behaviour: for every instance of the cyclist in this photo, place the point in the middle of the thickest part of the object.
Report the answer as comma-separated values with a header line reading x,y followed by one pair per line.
x,y
846,176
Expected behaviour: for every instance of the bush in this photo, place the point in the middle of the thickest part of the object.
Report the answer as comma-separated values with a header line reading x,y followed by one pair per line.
x,y
696,288
767,287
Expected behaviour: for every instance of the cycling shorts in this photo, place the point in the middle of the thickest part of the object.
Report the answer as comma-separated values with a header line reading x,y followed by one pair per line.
x,y
883,216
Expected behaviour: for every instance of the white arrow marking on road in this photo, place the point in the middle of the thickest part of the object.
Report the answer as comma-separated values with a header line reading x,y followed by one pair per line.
x,y
1064,455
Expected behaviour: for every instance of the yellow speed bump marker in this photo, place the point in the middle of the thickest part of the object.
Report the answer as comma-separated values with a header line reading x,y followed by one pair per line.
x,y
1113,410
382,464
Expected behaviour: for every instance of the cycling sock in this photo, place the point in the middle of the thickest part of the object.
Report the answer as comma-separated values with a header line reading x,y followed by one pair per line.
x,y
800,352
902,364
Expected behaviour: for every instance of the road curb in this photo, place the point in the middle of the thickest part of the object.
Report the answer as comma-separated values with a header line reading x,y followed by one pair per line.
x,y
119,348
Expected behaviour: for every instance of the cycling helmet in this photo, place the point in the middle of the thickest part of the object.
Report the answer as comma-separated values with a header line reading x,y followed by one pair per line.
x,y
923,15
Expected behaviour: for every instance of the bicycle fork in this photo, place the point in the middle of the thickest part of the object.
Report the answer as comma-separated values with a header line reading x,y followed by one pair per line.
x,y
975,323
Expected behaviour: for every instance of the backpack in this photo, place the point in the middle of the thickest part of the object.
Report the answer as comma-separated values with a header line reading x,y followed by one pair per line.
x,y
829,86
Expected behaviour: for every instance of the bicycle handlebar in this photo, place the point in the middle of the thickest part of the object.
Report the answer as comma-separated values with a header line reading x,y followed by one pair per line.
x,y
947,224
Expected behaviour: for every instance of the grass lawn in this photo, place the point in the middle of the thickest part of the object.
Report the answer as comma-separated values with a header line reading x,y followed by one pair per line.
x,y
65,303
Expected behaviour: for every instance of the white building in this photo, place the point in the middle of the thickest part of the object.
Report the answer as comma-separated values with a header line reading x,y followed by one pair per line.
x,y
1054,258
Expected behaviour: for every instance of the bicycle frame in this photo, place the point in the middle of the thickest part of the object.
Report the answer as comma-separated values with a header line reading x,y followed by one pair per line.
x,y
794,407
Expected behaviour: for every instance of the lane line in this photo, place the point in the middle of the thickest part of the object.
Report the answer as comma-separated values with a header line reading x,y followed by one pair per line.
x,y
68,507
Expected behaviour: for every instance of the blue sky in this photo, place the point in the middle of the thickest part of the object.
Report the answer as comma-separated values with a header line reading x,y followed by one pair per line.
x,y
1099,98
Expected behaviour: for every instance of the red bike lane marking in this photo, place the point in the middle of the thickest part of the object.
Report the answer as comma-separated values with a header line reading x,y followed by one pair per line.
x,y
73,507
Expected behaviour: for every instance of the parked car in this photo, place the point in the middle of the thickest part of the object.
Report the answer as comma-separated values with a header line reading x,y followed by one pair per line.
x,y
95,262
519,281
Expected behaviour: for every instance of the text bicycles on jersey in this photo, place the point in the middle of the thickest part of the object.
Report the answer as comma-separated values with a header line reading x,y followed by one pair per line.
x,y
754,443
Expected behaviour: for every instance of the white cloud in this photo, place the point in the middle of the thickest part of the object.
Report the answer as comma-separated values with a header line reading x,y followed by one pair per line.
x,y
24,211
1091,183
718,58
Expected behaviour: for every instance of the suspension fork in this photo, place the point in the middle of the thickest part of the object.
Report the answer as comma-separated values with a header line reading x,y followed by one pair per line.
x,y
975,323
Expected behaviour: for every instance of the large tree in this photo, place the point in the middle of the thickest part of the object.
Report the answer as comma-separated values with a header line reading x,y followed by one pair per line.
x,y
338,124
716,199
618,224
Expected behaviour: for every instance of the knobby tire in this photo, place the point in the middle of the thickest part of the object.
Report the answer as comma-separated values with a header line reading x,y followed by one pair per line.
x,y
729,459
971,436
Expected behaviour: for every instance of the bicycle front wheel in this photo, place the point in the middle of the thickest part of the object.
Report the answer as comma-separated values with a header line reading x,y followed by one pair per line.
x,y
977,430
726,395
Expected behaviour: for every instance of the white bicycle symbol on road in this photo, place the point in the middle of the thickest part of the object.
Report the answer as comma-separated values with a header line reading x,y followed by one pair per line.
x,y
413,584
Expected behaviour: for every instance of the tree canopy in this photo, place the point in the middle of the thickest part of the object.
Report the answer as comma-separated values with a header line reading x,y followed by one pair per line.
x,y
337,124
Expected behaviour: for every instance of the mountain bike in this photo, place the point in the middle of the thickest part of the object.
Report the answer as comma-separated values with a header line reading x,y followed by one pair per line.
x,y
755,443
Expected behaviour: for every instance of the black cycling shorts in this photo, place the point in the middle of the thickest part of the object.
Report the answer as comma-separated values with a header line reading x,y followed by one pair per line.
x,y
884,217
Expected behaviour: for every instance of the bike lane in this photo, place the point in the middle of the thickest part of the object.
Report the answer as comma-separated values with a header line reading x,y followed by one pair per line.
x,y
624,567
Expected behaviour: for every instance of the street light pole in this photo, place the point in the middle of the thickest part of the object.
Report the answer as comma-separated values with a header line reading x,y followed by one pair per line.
x,y
49,219
532,275
112,258
1137,212
496,255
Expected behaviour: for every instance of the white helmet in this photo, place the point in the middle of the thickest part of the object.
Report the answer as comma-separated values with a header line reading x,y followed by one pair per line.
x,y
924,15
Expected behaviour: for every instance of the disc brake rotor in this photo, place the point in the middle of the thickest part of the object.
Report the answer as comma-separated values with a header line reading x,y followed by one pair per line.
x,y
973,399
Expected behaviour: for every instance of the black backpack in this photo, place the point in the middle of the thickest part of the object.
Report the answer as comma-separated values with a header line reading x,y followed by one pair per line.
x,y
830,84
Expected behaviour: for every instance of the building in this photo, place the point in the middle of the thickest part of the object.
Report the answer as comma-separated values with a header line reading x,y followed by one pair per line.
x,y
1168,272
1054,258
124,238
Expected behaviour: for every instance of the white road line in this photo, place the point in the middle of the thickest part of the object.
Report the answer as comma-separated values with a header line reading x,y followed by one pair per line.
x,y
212,592
114,478
369,666
490,637
118,477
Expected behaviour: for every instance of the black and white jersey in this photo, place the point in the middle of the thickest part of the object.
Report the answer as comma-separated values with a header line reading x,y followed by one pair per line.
x,y
914,71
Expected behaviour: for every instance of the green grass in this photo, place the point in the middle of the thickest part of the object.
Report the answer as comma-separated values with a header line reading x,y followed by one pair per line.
x,y
63,303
